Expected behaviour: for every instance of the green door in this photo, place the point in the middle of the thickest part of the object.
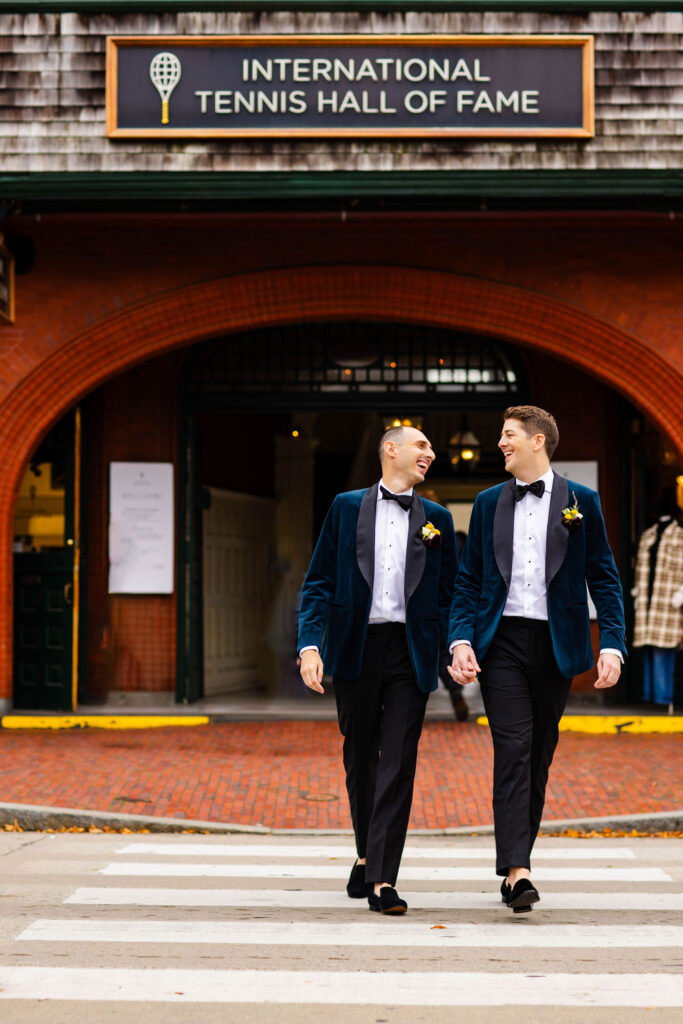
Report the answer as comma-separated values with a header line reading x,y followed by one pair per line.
x,y
43,630
46,573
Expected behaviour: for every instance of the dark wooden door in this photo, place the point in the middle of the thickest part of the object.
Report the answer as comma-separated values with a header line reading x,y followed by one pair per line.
x,y
46,562
43,630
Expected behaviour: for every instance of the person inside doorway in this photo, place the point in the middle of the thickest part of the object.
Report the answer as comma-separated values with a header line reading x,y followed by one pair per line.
x,y
658,597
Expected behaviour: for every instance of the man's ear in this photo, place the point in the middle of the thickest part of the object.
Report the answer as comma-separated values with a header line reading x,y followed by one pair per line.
x,y
539,442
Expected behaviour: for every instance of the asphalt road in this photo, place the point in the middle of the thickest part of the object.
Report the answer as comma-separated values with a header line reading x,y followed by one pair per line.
x,y
197,928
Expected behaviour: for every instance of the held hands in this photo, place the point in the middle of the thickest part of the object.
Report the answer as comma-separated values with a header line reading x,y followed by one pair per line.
x,y
312,670
609,670
464,668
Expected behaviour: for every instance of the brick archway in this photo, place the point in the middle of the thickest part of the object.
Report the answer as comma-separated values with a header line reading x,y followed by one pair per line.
x,y
266,298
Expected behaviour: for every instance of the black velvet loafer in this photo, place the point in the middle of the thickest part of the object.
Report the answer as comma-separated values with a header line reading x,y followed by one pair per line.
x,y
522,896
388,901
505,891
356,887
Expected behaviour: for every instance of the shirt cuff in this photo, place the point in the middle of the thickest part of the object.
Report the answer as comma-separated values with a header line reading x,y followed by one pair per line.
x,y
455,644
311,647
613,650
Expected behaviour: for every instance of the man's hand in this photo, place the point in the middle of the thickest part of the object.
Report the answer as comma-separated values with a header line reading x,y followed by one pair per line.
x,y
312,670
609,670
465,667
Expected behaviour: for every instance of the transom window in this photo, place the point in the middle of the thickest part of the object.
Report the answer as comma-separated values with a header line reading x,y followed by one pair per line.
x,y
356,358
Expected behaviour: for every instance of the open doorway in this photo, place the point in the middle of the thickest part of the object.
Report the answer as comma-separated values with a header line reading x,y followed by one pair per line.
x,y
266,482
274,424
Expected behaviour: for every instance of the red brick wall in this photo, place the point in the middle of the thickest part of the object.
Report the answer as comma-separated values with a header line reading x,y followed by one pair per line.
x,y
131,638
601,291
621,268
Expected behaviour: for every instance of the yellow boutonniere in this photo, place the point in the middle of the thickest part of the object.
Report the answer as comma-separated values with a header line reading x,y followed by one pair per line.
x,y
571,517
430,535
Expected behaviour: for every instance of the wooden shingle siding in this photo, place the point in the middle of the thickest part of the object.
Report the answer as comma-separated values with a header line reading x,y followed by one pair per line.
x,y
52,77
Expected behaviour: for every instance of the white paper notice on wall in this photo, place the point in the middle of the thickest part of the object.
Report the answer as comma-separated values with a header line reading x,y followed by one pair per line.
x,y
141,541
585,473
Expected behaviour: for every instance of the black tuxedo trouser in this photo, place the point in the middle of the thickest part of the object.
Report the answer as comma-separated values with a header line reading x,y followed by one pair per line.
x,y
380,717
525,696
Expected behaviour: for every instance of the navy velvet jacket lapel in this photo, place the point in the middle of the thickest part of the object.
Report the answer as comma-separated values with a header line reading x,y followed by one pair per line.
x,y
557,537
503,531
365,535
416,553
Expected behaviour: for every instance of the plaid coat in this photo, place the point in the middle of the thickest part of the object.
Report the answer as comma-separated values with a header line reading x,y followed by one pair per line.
x,y
661,625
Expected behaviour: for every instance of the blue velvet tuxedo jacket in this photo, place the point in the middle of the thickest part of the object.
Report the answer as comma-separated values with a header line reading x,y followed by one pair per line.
x,y
337,592
574,558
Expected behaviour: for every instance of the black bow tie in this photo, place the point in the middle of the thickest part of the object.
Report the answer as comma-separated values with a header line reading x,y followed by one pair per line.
x,y
537,488
404,500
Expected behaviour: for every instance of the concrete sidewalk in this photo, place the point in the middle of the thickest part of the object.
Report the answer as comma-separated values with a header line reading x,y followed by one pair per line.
x,y
288,774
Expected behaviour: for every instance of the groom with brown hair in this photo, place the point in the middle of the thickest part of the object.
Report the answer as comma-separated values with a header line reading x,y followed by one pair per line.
x,y
520,620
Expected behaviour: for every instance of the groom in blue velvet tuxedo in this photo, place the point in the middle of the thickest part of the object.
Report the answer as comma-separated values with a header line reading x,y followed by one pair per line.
x,y
520,619
374,612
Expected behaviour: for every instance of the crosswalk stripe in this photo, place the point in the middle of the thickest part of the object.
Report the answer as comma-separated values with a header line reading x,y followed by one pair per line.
x,y
443,923
339,987
203,849
301,900
277,933
426,873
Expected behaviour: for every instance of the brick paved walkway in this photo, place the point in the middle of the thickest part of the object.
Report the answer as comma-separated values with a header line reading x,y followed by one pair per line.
x,y
288,774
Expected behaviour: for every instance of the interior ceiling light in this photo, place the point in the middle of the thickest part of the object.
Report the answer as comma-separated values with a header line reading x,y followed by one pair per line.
x,y
353,354
464,446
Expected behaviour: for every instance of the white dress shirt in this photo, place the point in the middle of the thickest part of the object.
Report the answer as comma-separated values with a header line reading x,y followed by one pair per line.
x,y
391,546
528,595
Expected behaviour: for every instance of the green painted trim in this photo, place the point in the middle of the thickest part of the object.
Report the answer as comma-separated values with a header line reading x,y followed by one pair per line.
x,y
268,185
265,6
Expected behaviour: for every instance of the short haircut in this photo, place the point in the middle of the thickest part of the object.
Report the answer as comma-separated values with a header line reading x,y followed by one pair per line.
x,y
536,421
392,434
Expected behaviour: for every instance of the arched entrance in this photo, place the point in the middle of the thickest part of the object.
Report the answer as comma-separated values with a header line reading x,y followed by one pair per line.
x,y
315,294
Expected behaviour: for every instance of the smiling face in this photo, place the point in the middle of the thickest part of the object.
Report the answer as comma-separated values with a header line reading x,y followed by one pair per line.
x,y
406,459
525,454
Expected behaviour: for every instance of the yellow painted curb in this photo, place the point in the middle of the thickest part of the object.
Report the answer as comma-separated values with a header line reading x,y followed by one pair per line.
x,y
99,721
614,724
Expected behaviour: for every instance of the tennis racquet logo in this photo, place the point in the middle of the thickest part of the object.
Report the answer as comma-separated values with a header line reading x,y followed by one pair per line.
x,y
165,71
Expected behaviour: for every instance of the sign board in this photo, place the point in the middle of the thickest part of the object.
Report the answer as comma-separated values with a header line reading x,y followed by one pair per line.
x,y
141,528
336,86
6,284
